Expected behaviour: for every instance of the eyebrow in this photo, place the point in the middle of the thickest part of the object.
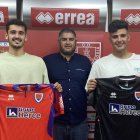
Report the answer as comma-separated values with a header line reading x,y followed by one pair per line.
x,y
121,35
67,38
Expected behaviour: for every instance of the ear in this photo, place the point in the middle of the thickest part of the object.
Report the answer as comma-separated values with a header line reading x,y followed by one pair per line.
x,y
109,38
26,38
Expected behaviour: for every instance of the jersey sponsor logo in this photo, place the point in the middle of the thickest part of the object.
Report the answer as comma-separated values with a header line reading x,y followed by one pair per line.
x,y
90,49
137,95
12,113
121,109
79,18
39,97
21,112
114,108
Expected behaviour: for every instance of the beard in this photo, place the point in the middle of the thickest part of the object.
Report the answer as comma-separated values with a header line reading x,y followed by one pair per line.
x,y
15,45
67,52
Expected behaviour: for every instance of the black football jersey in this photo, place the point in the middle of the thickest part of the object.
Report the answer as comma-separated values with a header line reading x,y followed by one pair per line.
x,y
117,104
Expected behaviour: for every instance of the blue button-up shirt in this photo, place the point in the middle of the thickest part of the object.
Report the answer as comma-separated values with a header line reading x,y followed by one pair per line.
x,y
72,75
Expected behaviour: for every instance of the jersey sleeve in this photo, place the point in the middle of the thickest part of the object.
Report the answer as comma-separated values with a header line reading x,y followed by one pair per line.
x,y
58,104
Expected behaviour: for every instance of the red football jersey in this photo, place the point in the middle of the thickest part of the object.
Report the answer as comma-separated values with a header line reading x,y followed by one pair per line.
x,y
27,111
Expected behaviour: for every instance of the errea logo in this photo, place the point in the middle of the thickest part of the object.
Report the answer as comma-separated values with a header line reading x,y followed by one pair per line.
x,y
44,18
11,97
113,95
83,18
65,18
133,19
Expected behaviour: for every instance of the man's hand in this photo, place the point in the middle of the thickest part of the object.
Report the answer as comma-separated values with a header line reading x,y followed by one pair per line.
x,y
91,85
58,87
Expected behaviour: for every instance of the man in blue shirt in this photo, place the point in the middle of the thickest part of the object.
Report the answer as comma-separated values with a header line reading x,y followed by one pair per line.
x,y
71,70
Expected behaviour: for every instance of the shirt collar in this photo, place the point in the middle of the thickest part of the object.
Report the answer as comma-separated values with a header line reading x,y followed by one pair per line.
x,y
62,57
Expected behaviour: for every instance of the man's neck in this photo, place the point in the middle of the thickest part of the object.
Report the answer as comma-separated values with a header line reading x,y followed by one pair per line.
x,y
16,52
122,55
67,57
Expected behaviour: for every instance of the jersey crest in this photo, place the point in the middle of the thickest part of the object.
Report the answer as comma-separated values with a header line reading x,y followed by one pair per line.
x,y
39,97
137,95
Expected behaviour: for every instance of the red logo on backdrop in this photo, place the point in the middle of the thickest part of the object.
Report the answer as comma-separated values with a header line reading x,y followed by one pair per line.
x,y
3,16
56,18
90,49
132,17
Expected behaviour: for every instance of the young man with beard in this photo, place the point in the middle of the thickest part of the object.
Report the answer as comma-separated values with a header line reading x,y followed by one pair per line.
x,y
71,70
17,66
28,98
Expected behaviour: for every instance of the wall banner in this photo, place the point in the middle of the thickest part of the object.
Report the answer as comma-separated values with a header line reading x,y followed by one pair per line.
x,y
4,46
60,18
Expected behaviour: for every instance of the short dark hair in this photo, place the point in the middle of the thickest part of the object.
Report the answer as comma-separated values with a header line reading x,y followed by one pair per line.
x,y
67,30
116,25
16,22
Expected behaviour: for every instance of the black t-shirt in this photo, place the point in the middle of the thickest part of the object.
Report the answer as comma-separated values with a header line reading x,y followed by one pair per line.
x,y
117,103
